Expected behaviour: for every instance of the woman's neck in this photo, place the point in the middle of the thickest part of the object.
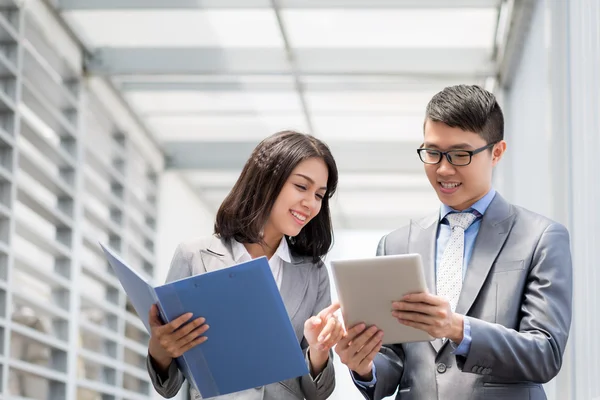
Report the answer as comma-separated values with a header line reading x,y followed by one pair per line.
x,y
267,248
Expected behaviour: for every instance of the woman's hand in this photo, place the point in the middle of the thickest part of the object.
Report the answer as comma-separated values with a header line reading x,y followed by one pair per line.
x,y
322,332
169,341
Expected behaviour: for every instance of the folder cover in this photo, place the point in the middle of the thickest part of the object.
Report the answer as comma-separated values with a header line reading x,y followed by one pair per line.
x,y
251,341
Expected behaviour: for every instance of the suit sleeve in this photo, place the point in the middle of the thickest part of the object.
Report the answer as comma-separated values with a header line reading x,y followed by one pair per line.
x,y
169,384
322,386
535,352
389,362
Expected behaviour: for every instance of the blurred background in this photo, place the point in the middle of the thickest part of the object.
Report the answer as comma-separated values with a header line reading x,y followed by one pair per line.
x,y
128,121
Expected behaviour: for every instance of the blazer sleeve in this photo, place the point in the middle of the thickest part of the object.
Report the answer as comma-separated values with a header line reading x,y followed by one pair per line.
x,y
535,351
322,386
169,384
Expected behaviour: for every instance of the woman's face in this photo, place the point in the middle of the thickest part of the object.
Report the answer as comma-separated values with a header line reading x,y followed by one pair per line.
x,y
300,199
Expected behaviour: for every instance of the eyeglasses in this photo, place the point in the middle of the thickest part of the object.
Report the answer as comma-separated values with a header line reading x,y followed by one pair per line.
x,y
459,158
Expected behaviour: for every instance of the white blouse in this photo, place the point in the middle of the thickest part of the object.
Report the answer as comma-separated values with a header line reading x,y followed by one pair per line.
x,y
240,254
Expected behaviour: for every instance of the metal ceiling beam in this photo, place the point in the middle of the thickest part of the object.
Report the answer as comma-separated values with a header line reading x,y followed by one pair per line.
x,y
363,157
71,5
293,65
508,53
451,63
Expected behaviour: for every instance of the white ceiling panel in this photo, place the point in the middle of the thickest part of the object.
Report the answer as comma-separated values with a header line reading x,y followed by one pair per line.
x,y
412,28
401,102
217,128
156,28
189,102
211,178
369,128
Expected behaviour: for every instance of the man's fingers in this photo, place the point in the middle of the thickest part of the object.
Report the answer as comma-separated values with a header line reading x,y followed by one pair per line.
x,y
423,297
351,334
369,346
422,308
359,342
414,316
370,356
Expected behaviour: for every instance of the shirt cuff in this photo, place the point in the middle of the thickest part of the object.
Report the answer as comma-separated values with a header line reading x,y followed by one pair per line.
x,y
465,345
363,383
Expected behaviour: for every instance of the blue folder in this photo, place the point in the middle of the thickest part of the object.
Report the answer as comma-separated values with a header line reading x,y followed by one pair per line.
x,y
251,341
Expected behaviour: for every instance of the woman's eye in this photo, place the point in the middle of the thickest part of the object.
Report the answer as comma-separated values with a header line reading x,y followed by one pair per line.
x,y
320,196
301,187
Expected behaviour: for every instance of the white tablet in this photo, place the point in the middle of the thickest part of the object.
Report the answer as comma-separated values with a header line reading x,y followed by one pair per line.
x,y
367,287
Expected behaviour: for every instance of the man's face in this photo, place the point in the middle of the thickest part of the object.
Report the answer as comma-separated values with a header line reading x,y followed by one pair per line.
x,y
460,186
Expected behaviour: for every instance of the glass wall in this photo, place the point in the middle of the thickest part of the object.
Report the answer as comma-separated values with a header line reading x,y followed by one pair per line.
x,y
70,176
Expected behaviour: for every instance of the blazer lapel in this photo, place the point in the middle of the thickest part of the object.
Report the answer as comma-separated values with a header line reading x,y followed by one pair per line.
x,y
217,255
422,240
294,284
494,229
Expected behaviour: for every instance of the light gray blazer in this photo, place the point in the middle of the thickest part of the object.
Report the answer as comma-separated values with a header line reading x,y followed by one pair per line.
x,y
305,292
517,291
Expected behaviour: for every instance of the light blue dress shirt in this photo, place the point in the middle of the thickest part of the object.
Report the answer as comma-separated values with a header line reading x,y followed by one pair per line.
x,y
443,235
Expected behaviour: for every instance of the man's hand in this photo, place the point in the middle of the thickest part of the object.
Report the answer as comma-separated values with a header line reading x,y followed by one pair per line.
x,y
358,348
431,314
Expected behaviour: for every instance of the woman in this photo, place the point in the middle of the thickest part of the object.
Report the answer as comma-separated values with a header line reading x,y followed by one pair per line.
x,y
279,208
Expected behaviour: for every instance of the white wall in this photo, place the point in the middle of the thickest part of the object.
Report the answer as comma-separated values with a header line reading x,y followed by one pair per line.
x,y
553,133
522,176
181,215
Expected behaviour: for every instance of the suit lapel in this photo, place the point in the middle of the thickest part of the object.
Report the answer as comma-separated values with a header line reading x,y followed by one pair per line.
x,y
294,284
494,229
422,240
217,255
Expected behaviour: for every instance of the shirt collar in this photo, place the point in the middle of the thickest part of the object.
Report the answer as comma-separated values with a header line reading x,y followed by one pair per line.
x,y
480,206
239,251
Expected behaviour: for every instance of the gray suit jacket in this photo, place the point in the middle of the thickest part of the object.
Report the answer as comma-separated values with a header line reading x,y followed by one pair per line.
x,y
305,292
517,292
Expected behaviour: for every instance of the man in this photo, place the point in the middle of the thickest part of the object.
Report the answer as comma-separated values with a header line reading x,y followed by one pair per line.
x,y
499,276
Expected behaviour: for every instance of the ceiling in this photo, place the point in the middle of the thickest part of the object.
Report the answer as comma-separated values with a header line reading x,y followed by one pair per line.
x,y
210,78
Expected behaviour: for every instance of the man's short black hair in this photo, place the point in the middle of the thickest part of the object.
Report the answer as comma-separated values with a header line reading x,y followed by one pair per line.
x,y
470,108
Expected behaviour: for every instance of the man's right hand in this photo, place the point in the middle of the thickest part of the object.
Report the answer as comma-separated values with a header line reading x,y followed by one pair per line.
x,y
169,341
357,349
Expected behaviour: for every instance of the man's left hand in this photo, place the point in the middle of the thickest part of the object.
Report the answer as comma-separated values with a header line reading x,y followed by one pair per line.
x,y
431,314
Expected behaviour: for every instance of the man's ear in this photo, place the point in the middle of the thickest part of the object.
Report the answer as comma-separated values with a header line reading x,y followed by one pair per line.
x,y
498,151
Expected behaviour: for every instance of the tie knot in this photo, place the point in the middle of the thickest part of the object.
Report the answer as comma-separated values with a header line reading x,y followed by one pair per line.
x,y
462,220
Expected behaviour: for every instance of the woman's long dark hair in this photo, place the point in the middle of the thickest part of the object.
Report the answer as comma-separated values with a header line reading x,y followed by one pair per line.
x,y
246,209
